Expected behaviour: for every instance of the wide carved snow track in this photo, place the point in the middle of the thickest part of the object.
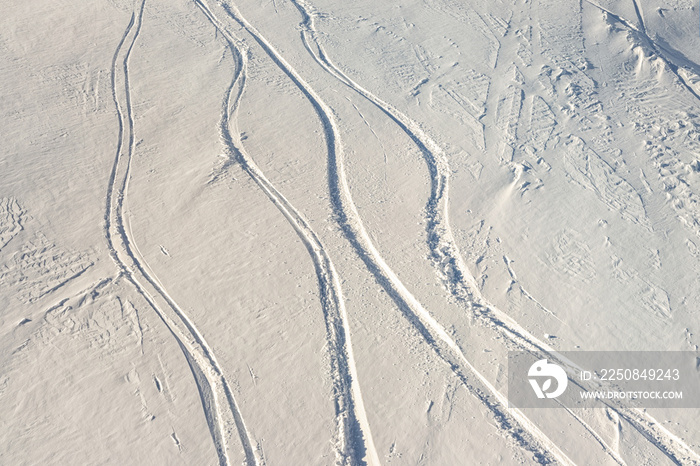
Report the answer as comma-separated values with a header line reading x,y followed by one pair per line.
x,y
220,408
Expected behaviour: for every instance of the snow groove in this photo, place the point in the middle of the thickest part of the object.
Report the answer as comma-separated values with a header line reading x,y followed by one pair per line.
x,y
640,17
354,439
448,260
222,416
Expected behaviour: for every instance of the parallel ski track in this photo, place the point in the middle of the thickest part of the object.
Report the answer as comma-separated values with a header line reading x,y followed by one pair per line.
x,y
448,260
211,382
353,438
512,422
520,429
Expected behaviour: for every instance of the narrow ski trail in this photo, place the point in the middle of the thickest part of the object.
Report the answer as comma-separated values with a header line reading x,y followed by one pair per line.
x,y
353,438
451,267
220,408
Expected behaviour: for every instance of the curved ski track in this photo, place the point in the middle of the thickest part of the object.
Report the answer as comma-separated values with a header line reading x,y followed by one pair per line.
x,y
354,439
451,267
529,437
222,416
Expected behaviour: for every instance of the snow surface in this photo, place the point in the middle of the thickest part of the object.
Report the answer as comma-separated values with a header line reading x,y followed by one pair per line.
x,y
297,232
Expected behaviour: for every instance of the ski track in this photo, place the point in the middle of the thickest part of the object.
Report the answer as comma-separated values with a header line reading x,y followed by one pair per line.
x,y
354,439
208,375
640,17
511,421
452,269
642,34
612,452
212,385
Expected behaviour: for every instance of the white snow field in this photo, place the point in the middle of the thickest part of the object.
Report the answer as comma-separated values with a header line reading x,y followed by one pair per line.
x,y
308,232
